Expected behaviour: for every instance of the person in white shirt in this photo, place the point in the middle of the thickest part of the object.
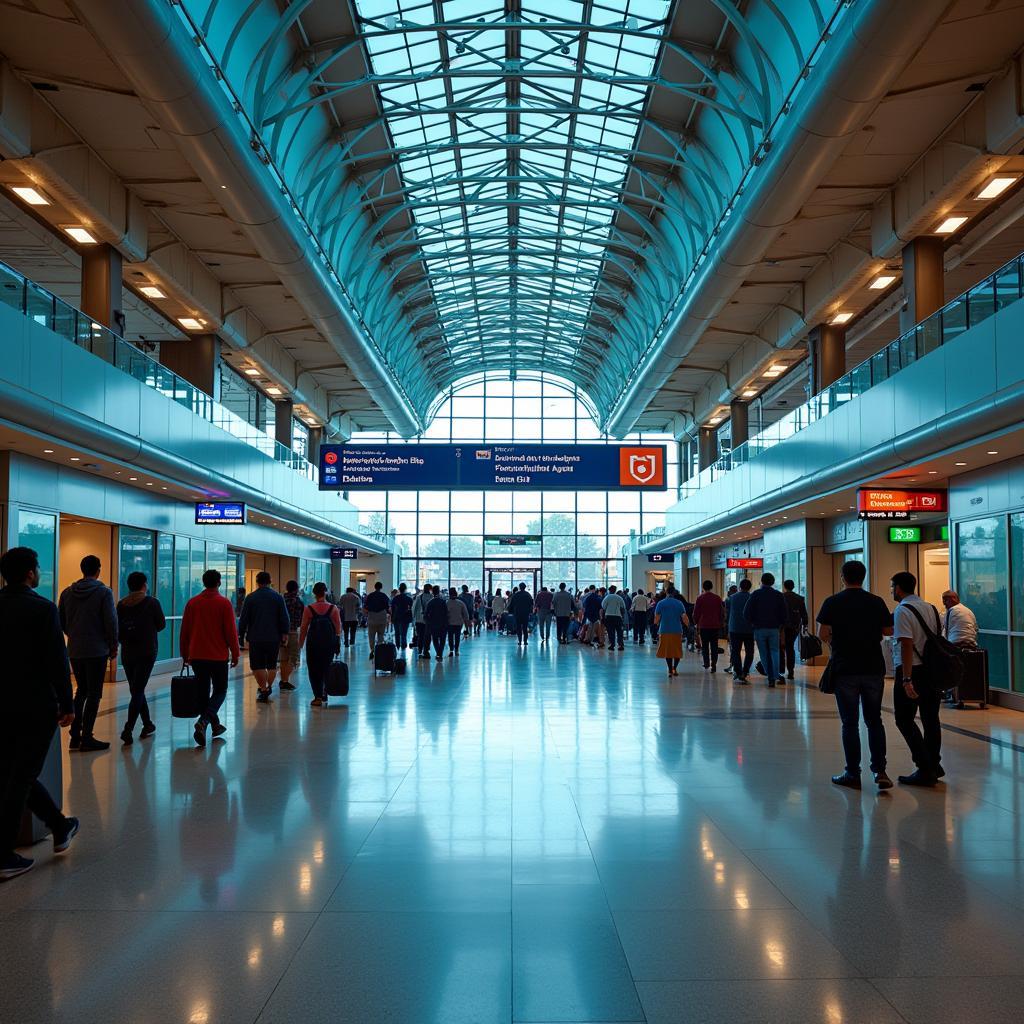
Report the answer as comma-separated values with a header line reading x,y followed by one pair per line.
x,y
959,625
498,606
614,609
639,610
913,693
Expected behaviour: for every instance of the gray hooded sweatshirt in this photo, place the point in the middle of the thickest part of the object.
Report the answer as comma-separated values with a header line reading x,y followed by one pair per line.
x,y
89,619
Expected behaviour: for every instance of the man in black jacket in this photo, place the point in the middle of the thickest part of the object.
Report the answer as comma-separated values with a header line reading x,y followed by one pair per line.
x,y
435,617
266,624
36,699
766,612
796,609
520,606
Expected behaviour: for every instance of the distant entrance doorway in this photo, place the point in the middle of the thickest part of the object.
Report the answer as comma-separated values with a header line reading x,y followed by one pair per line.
x,y
509,578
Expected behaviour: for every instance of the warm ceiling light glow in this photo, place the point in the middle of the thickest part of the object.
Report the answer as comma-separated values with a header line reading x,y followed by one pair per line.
x,y
996,187
273,391
949,225
75,458
30,195
190,323
841,318
714,422
991,453
749,393
251,371
79,234
152,292
959,463
933,472
49,451
882,281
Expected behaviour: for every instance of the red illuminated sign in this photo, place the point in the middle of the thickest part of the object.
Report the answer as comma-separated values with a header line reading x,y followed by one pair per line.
x,y
744,563
879,503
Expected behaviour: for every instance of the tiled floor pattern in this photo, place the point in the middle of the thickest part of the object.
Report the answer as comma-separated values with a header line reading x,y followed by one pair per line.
x,y
541,836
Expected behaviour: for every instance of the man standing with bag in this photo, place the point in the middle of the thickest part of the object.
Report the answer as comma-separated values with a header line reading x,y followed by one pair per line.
x,y
207,641
914,693
853,623
378,613
797,621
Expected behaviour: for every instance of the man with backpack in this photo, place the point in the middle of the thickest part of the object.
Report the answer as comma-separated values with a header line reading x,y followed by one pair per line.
x,y
916,625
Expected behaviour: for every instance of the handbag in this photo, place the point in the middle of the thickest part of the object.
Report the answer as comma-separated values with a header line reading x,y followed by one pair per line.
x,y
825,682
185,696
810,646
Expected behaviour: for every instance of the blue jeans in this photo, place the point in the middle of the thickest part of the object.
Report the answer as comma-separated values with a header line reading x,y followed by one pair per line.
x,y
767,641
854,693
401,633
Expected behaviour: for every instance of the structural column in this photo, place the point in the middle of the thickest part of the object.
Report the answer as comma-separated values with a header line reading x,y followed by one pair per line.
x,y
316,436
923,280
101,286
827,344
197,360
707,451
739,422
283,414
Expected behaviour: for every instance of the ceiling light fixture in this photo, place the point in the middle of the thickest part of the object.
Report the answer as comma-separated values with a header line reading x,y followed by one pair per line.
x,y
30,195
841,318
882,281
152,292
78,233
75,458
190,323
959,463
991,453
273,391
47,451
133,478
996,187
251,371
933,472
749,393
950,224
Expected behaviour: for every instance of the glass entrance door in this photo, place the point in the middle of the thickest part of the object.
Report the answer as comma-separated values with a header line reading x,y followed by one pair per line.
x,y
505,579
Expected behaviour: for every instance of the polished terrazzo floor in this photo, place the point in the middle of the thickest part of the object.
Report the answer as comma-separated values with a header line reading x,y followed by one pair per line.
x,y
551,835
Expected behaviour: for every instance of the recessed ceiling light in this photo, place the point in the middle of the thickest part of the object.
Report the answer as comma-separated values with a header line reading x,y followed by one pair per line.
x,y
841,318
749,393
991,453
78,233
163,488
933,472
251,371
996,187
959,463
149,483
273,391
882,281
190,323
75,458
49,451
133,478
949,225
152,292
34,197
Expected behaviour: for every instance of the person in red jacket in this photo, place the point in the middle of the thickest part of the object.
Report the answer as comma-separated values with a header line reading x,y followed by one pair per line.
x,y
209,639
707,617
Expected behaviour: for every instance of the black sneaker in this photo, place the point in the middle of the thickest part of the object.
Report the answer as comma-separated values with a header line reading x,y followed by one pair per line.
x,y
74,743
90,743
882,781
219,730
126,736
63,840
15,865
147,731
918,778
199,733
262,697
287,686
847,780
771,684
940,772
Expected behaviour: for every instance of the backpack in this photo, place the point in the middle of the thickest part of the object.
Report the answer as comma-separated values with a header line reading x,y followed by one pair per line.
x,y
321,635
943,662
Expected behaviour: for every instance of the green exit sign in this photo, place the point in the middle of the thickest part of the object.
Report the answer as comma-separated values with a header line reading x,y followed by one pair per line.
x,y
904,534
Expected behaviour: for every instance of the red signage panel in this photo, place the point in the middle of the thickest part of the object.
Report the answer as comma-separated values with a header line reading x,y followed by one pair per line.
x,y
744,563
884,503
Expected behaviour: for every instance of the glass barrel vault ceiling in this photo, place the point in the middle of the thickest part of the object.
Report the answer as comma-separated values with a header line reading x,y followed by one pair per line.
x,y
509,186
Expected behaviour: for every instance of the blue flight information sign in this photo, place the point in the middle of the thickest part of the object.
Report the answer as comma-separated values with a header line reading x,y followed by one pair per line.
x,y
478,467
220,513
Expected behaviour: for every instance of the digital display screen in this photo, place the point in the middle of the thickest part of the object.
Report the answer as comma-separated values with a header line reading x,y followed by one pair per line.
x,y
340,553
220,513
450,467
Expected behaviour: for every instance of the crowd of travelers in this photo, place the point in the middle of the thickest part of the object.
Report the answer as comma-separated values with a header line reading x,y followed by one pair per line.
x,y
86,631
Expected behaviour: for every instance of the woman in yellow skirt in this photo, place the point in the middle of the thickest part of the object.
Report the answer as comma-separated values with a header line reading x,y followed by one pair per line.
x,y
669,617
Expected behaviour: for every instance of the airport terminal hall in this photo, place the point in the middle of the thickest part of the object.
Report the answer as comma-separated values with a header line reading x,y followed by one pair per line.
x,y
511,512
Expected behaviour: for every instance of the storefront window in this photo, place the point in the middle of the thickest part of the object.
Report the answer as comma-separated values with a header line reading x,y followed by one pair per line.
x,y
163,589
38,530
982,575
998,659
135,554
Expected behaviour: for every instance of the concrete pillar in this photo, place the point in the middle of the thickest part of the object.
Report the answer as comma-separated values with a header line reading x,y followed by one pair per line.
x,y
827,344
685,459
707,444
101,286
197,359
283,415
316,436
739,422
923,280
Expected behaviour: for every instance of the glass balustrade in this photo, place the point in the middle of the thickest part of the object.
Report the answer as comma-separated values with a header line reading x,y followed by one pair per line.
x,y
996,292
73,325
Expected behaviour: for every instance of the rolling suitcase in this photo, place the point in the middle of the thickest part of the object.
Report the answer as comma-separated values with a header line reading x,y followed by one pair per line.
x,y
185,697
384,657
974,684
337,679
400,666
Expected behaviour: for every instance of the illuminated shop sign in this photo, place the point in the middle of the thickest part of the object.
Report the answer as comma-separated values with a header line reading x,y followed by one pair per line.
x,y
468,467
879,503
339,553
744,563
220,513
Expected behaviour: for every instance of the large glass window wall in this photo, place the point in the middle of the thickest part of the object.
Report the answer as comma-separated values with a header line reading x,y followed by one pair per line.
x,y
579,535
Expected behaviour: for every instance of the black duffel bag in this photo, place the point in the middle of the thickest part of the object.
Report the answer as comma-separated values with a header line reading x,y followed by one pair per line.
x,y
810,646
186,700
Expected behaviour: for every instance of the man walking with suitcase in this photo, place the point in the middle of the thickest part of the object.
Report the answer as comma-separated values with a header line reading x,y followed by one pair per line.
x,y
207,642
